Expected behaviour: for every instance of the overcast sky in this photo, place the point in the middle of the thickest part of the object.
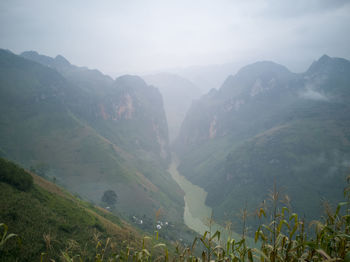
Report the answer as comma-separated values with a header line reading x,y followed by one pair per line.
x,y
136,36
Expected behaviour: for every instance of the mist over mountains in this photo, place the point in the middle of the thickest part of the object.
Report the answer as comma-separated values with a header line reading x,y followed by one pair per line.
x,y
178,94
89,132
266,125
175,130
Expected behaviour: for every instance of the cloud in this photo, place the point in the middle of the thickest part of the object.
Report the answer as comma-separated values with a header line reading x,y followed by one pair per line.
x,y
299,8
136,36
313,95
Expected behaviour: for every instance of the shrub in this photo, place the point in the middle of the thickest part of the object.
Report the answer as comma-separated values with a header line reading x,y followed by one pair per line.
x,y
109,197
15,175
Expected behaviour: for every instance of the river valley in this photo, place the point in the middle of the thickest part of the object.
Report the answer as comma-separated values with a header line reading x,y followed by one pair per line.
x,y
197,214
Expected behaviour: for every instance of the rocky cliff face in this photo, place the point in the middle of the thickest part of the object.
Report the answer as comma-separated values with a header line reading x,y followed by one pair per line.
x,y
267,124
239,101
88,132
138,106
126,106
178,94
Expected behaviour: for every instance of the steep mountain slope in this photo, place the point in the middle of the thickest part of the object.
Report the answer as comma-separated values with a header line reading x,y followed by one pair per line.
x,y
178,94
89,142
266,125
115,108
132,115
207,77
49,220
89,80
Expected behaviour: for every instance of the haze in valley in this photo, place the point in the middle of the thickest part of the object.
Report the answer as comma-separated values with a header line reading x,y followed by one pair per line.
x,y
142,37
177,117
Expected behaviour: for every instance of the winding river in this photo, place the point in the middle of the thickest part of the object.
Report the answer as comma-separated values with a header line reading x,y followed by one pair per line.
x,y
197,214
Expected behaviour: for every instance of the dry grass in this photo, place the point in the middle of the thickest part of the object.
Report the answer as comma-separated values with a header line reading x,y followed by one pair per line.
x,y
111,228
49,186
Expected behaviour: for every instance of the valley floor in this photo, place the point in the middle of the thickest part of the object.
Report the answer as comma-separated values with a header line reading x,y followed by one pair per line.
x,y
197,215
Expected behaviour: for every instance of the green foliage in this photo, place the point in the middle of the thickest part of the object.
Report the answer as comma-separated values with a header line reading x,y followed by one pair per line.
x,y
8,248
15,175
281,236
285,238
53,122
259,127
109,197
5,237
48,223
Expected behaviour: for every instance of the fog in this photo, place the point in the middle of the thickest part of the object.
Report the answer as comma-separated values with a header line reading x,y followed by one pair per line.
x,y
141,37
189,132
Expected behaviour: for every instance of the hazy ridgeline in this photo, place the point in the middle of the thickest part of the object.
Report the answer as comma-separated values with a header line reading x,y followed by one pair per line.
x,y
94,135
267,125
174,130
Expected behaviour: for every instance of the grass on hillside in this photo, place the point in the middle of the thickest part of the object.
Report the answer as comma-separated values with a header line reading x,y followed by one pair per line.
x,y
282,236
50,220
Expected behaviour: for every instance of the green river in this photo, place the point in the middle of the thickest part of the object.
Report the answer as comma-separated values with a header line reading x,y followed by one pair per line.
x,y
197,214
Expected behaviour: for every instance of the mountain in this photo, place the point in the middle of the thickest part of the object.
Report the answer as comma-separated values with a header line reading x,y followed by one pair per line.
x,y
104,103
87,79
207,77
266,125
107,135
178,94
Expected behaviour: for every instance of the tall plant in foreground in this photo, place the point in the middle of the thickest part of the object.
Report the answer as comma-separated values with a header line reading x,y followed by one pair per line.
x,y
284,237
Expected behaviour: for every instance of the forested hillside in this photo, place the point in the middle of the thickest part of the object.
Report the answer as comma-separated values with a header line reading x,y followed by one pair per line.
x,y
107,135
266,125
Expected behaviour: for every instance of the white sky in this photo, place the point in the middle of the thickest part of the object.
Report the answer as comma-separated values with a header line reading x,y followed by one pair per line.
x,y
138,36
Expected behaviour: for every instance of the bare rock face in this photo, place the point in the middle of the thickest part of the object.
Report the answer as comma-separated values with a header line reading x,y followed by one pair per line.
x,y
126,109
139,107
268,124
127,105
89,131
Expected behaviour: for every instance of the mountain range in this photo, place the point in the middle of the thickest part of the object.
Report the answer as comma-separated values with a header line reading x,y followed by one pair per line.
x,y
178,94
265,126
88,132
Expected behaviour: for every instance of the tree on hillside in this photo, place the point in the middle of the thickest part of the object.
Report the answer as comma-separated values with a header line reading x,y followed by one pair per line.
x,y
109,197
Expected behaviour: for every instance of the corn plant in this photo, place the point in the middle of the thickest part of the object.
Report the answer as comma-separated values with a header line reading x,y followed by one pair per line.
x,y
5,237
285,237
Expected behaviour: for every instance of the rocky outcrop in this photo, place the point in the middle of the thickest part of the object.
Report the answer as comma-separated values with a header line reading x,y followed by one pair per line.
x,y
265,125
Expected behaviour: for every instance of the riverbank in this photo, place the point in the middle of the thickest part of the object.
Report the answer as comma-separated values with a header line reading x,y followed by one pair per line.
x,y
197,215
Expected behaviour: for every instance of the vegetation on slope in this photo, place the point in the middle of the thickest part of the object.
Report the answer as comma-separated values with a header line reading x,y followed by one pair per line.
x,y
55,124
15,176
58,226
49,220
267,124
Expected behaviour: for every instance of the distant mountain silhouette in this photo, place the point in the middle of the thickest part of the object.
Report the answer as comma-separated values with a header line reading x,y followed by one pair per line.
x,y
265,125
